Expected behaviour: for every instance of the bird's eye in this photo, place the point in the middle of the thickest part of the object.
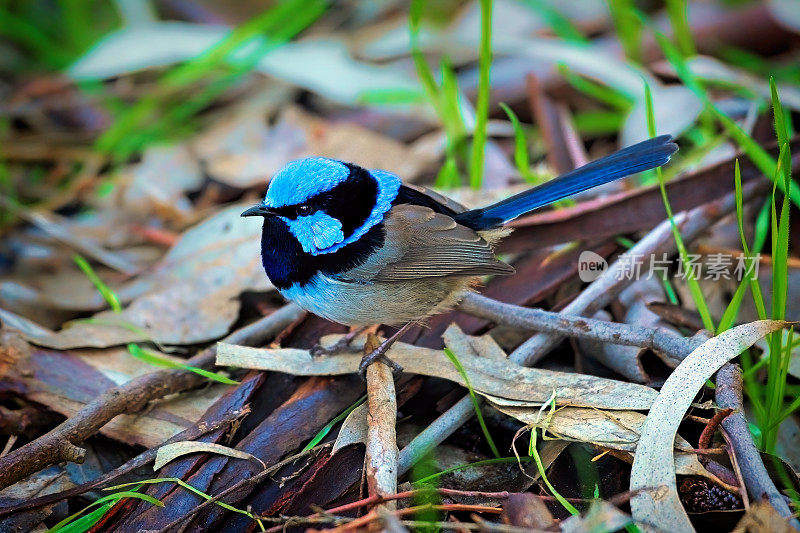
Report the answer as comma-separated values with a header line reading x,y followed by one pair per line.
x,y
304,210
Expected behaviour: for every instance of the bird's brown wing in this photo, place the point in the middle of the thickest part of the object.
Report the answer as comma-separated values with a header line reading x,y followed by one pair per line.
x,y
421,243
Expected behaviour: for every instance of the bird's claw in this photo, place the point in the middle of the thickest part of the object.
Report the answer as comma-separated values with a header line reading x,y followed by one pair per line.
x,y
373,357
340,346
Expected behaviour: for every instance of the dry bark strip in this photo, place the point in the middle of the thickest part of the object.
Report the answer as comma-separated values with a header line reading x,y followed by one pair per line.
x,y
756,479
381,457
61,443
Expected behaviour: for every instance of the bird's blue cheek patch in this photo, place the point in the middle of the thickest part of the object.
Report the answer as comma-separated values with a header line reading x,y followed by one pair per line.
x,y
316,232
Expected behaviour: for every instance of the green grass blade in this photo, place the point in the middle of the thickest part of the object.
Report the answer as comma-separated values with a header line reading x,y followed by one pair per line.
x,y
557,22
596,123
190,488
679,20
461,370
521,159
479,136
105,291
694,286
113,498
755,288
156,359
160,111
780,250
765,163
602,93
84,523
559,498
781,129
628,27
732,311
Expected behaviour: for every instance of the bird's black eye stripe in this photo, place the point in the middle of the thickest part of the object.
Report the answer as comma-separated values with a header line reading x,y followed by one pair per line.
x,y
294,211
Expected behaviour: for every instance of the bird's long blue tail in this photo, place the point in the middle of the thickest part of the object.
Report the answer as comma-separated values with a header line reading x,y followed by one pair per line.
x,y
642,156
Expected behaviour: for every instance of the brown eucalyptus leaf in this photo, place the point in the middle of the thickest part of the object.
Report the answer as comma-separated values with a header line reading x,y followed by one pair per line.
x,y
491,377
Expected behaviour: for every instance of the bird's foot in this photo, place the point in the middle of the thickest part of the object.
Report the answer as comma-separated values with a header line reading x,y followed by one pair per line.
x,y
379,352
374,356
340,346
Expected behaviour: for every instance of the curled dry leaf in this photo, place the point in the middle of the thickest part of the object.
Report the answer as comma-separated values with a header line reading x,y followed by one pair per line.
x,y
170,452
657,506
616,430
354,428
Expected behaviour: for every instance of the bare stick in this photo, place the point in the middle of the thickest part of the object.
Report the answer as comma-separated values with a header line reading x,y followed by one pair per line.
x,y
381,455
754,473
59,444
663,341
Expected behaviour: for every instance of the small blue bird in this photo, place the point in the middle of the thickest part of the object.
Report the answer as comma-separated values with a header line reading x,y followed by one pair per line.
x,y
358,247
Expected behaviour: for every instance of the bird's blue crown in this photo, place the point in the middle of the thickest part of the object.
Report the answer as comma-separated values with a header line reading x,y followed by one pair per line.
x,y
299,182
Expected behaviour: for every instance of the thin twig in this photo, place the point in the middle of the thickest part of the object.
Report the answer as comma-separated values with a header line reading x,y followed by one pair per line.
x,y
374,500
53,447
754,473
457,507
708,432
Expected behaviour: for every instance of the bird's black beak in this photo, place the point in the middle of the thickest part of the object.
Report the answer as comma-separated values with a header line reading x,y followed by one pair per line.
x,y
259,210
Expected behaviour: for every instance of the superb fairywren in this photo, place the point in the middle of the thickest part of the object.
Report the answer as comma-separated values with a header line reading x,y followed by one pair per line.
x,y
358,247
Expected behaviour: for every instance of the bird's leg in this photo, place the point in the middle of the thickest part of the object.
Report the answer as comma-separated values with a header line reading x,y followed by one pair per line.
x,y
380,353
340,346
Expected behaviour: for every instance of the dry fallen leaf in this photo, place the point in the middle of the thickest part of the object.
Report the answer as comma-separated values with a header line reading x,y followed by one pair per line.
x,y
761,517
657,505
190,296
354,428
170,452
491,377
